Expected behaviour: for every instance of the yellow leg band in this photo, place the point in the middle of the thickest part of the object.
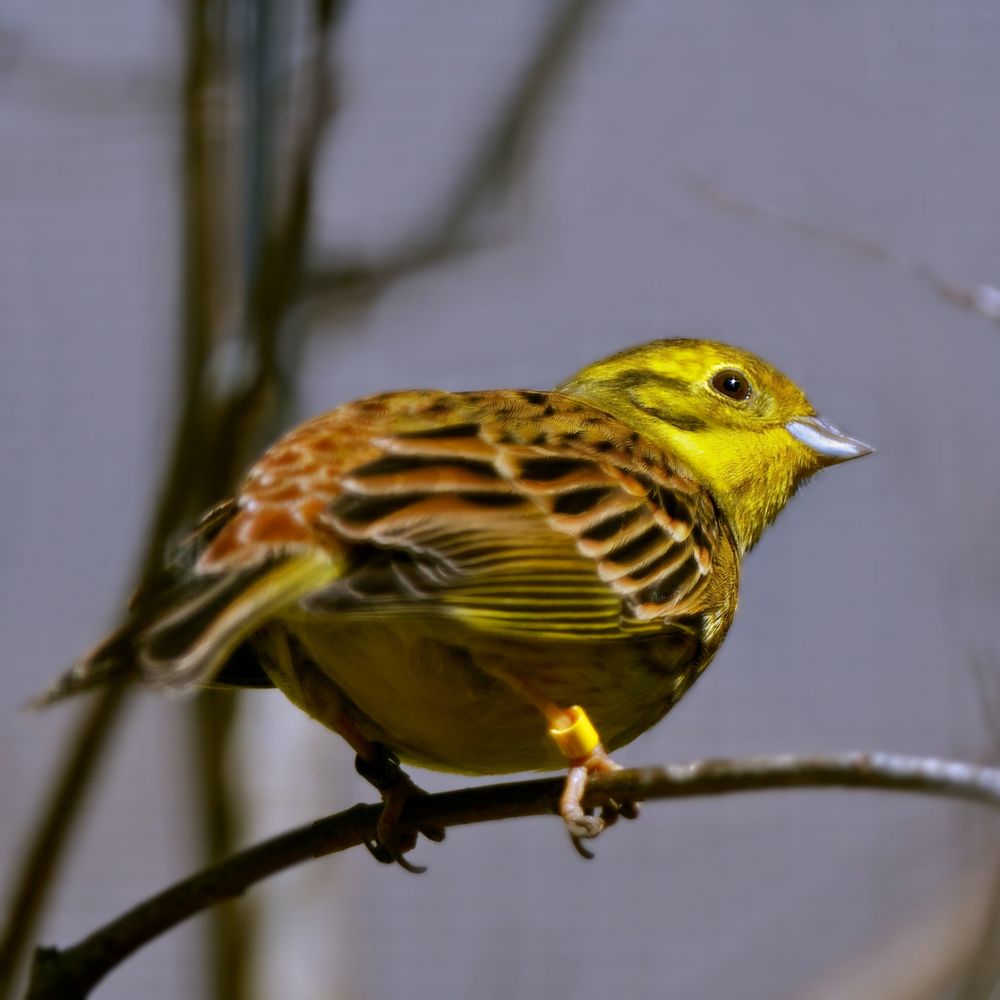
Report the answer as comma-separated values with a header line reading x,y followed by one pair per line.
x,y
578,738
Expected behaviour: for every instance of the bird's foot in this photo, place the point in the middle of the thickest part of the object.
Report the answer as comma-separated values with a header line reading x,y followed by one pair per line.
x,y
585,824
577,738
382,770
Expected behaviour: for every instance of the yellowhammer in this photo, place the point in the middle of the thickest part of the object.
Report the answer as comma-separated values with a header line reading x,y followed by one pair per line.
x,y
483,582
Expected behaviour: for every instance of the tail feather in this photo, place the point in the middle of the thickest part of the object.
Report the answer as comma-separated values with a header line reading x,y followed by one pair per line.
x,y
112,661
182,637
187,647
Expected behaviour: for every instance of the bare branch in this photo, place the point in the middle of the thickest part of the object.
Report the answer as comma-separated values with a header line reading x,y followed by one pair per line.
x,y
483,176
983,300
37,869
73,971
277,178
49,836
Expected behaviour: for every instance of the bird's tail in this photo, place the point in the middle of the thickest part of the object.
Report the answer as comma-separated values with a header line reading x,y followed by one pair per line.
x,y
181,636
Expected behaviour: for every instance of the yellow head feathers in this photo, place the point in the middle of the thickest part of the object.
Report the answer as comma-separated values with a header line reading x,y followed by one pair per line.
x,y
742,427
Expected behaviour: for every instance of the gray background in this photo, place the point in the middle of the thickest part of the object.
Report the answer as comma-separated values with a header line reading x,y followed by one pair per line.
x,y
864,611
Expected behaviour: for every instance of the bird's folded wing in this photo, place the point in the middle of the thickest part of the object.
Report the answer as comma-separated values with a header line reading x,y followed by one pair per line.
x,y
575,540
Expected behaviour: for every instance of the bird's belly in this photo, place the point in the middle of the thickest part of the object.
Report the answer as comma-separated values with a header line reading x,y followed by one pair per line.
x,y
436,697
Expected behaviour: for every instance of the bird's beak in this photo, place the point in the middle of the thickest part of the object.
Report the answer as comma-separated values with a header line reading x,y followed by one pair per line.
x,y
830,444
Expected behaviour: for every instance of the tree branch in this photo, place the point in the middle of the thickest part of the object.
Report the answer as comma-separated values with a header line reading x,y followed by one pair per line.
x,y
84,750
981,299
277,177
484,174
37,868
72,972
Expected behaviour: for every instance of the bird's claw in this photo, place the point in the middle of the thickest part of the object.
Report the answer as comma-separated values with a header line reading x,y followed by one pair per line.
x,y
395,855
583,827
585,824
396,788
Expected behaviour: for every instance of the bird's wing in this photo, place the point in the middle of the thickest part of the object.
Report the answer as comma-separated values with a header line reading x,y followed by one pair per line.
x,y
522,514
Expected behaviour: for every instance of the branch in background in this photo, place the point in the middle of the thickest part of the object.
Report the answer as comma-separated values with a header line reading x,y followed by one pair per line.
x,y
72,972
214,436
278,264
484,177
277,205
204,269
984,300
979,961
46,844
205,455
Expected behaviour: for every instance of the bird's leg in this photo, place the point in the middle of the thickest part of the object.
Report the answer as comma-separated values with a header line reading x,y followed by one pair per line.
x,y
380,767
309,688
575,736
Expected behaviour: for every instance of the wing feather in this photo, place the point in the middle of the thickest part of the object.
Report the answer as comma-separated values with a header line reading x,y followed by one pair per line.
x,y
480,515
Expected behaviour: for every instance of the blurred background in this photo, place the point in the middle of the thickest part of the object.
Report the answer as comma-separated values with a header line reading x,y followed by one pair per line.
x,y
217,218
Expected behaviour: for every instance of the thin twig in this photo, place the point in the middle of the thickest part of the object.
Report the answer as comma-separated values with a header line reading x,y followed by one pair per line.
x,y
71,972
44,849
483,176
983,299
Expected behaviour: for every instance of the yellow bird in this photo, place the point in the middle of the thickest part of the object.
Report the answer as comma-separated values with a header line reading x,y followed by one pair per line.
x,y
489,582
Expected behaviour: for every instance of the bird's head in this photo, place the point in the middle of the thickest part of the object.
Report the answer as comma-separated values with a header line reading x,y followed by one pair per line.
x,y
740,426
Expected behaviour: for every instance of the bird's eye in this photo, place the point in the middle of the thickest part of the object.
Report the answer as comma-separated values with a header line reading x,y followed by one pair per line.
x,y
732,383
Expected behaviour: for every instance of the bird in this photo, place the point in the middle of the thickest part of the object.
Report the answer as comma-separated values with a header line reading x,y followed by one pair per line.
x,y
487,582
